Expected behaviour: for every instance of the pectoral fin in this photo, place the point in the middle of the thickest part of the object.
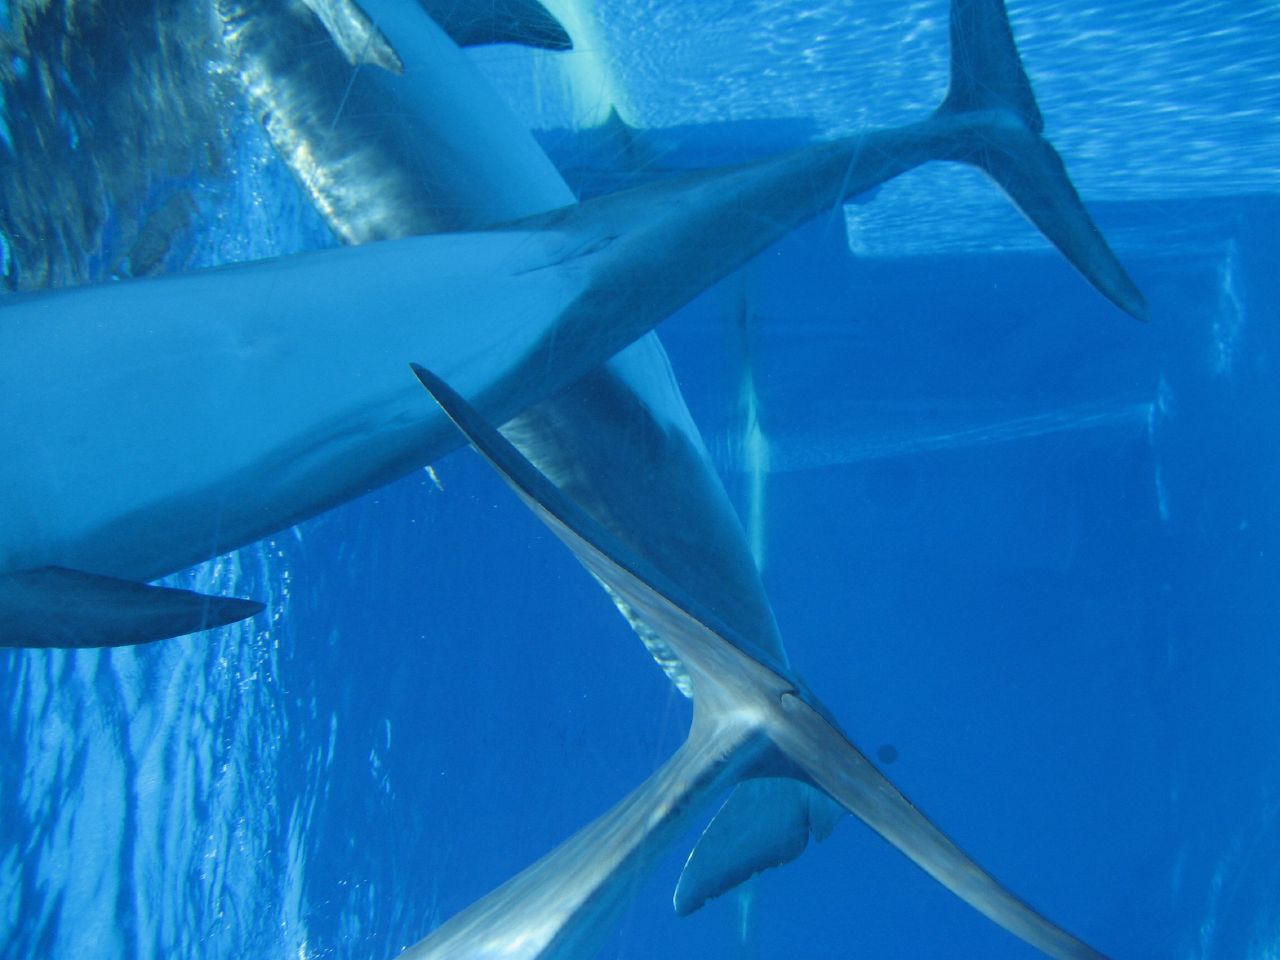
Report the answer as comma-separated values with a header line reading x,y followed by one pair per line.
x,y
58,607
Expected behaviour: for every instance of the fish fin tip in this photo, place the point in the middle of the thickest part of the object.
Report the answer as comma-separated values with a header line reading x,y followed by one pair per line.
x,y
58,607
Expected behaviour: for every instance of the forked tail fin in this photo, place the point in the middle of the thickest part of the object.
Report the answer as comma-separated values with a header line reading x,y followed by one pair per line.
x,y
731,689
992,97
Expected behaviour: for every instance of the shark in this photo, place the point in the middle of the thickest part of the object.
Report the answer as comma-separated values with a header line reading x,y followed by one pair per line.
x,y
392,132
753,718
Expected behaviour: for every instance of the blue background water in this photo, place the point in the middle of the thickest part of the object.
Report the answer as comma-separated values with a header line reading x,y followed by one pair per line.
x,y
1027,542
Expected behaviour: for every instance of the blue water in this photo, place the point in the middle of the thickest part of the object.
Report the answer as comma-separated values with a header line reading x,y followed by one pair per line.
x,y
1031,545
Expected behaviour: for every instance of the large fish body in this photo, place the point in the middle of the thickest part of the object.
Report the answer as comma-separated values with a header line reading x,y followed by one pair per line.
x,y
433,147
413,142
153,424
282,370
150,424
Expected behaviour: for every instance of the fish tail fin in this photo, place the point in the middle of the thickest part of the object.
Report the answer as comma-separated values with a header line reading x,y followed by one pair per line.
x,y
736,689
1002,129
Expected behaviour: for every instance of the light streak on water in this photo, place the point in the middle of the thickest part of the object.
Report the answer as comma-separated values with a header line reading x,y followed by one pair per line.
x,y
791,453
753,442
1229,320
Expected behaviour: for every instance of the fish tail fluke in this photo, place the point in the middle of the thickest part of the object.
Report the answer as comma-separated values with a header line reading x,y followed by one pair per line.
x,y
749,699
826,757
1003,137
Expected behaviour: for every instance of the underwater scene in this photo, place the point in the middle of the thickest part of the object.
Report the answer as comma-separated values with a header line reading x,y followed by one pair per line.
x,y
905,377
